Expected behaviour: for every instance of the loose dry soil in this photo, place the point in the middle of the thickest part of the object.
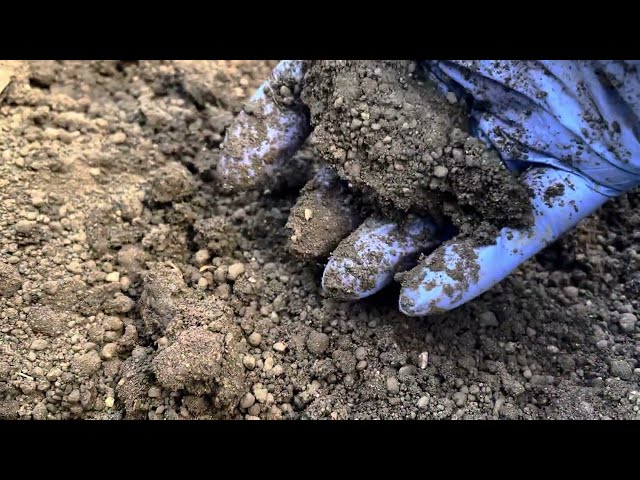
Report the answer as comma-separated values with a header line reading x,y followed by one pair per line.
x,y
132,286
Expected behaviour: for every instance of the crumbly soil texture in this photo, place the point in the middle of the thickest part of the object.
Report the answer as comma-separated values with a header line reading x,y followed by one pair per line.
x,y
387,129
133,287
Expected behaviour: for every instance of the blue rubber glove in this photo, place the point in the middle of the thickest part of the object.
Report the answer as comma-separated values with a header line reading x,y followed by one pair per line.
x,y
571,127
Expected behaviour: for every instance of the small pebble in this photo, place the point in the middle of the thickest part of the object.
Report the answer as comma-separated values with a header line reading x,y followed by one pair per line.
x,y
247,400
268,364
602,343
38,198
74,396
28,386
254,339
622,369
460,399
393,386
423,358
255,410
113,277
249,362
154,392
235,271
39,344
440,171
201,257
50,287
24,226
279,347
53,374
423,402
571,292
628,322
74,267
118,137
39,412
125,282
317,342
261,394
121,304
361,353
285,91
109,351
113,324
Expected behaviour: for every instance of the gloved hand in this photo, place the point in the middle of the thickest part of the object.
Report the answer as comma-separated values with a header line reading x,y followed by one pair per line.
x,y
571,127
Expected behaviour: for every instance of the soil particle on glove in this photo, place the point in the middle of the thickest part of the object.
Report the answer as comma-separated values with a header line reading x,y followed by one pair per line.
x,y
465,272
372,262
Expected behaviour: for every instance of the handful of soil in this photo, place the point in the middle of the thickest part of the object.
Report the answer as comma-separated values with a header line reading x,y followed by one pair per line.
x,y
392,134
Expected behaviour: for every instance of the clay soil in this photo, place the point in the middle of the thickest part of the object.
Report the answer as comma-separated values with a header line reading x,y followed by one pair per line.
x,y
133,287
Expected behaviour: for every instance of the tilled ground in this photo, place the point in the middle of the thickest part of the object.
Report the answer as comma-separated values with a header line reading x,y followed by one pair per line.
x,y
131,286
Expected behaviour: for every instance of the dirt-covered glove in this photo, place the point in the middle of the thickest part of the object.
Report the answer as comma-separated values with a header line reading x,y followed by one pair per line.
x,y
571,127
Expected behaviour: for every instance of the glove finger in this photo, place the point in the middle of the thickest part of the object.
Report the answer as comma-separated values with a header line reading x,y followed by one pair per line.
x,y
458,272
272,126
366,261
325,213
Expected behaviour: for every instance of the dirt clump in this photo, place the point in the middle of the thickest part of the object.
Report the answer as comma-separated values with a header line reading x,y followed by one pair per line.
x,y
171,183
389,131
46,321
202,362
10,281
326,212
